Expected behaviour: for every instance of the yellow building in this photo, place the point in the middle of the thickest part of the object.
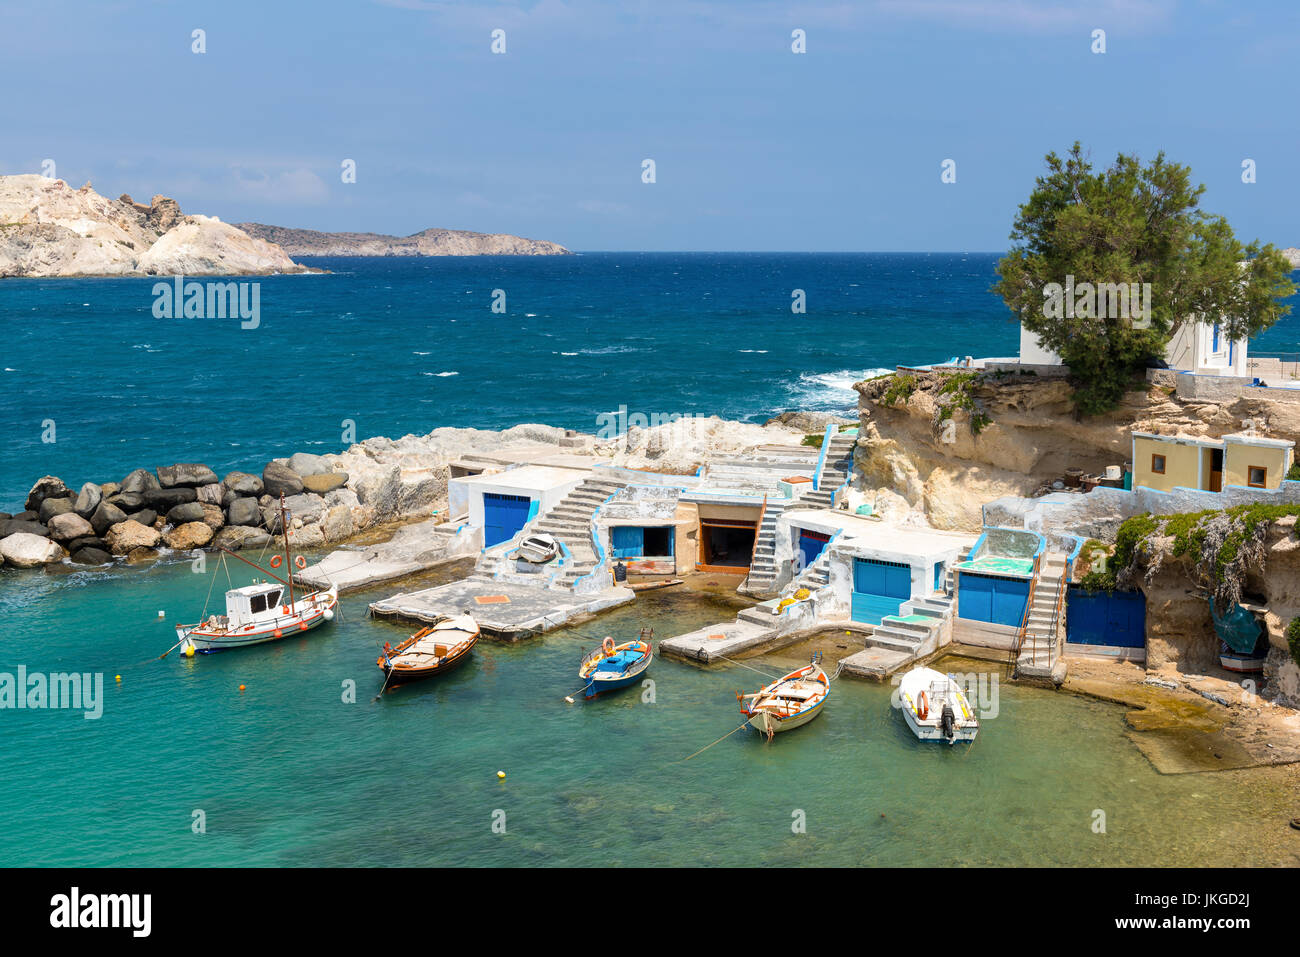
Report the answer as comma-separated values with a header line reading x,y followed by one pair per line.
x,y
1166,462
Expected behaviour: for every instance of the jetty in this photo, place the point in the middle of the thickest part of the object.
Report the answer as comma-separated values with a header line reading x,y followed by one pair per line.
x,y
506,611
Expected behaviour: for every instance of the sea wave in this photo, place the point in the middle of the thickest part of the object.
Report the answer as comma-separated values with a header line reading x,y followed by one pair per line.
x,y
830,390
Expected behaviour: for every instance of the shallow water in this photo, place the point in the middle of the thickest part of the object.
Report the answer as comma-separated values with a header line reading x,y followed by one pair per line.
x,y
287,773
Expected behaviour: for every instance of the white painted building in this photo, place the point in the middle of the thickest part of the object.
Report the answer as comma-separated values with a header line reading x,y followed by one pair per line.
x,y
501,503
1199,347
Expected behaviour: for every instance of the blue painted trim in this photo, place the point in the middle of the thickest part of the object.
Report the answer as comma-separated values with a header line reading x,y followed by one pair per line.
x,y
595,539
821,459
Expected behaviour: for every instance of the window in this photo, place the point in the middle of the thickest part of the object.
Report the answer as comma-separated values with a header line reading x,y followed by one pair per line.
x,y
1256,476
1158,464
257,603
272,598
1215,347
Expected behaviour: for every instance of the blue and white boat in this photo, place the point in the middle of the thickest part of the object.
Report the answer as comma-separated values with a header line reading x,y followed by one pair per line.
x,y
614,666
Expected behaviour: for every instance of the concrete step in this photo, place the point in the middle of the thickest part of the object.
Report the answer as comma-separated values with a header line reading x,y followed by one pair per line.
x,y
758,615
884,637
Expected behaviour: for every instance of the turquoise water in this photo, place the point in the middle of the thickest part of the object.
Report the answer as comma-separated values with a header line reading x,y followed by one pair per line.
x,y
288,774
400,346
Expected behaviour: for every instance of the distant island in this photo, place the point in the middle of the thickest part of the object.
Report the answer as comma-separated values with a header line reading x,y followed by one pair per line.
x,y
1293,255
430,242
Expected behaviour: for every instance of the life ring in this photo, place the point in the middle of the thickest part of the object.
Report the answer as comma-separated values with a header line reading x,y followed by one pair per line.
x,y
922,706
607,645
300,562
276,561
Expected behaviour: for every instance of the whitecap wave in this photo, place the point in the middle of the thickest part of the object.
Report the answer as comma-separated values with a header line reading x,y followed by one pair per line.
x,y
831,390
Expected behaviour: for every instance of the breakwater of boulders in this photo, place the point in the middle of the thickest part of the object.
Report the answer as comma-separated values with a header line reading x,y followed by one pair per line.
x,y
183,507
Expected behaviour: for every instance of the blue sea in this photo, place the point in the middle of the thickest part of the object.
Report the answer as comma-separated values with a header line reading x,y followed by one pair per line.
x,y
401,346
292,771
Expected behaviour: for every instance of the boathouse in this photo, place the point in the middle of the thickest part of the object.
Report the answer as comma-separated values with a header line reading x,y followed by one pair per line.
x,y
991,586
875,570
502,503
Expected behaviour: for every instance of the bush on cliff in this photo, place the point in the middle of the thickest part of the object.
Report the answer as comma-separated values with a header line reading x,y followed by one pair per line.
x,y
1117,229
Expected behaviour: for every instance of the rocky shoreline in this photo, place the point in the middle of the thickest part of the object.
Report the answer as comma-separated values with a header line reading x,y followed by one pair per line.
x,y
428,242
331,498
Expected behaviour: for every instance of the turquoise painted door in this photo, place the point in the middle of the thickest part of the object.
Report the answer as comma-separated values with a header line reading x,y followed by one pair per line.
x,y
879,589
628,541
503,517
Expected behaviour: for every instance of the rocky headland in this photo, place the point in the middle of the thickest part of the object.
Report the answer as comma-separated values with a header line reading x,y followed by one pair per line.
x,y
49,229
429,242
941,445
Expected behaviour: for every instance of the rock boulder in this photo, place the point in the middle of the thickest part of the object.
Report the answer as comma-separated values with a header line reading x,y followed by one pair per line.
x,y
126,536
28,551
49,486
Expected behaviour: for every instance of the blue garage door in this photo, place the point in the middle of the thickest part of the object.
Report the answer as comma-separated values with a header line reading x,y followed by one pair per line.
x,y
811,545
1117,620
879,589
628,541
999,601
503,517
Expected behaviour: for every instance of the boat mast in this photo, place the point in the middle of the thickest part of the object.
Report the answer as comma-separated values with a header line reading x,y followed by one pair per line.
x,y
288,558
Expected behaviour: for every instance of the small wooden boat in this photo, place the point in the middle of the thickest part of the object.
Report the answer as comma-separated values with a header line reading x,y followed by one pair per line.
x,y
435,650
1246,663
267,610
538,548
935,707
614,666
788,702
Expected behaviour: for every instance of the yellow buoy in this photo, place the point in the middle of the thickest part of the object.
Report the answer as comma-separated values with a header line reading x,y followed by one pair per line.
x,y
501,775
117,678
189,651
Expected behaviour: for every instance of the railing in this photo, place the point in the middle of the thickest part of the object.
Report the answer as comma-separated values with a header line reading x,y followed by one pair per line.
x,y
1019,641
758,534
831,430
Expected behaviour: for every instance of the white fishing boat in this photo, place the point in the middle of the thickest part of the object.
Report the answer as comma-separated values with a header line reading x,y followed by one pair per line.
x,y
788,702
266,610
538,549
936,708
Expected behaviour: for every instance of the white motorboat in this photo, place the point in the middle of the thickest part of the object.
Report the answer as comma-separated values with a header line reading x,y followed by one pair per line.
x,y
538,548
935,707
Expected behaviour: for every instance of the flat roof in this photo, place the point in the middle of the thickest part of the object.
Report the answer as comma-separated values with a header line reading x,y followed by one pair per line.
x,y
861,530
528,477
1235,438
1249,438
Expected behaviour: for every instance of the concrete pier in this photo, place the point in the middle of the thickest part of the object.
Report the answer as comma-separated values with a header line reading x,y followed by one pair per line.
x,y
412,549
727,639
506,611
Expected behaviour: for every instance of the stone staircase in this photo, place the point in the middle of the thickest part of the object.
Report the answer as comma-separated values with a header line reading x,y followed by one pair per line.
x,y
763,573
571,523
1039,647
903,634
835,471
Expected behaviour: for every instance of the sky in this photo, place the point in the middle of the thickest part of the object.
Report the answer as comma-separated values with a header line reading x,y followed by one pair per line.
x,y
756,147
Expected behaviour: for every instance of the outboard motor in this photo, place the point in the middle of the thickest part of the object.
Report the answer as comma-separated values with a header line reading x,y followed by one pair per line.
x,y
948,722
